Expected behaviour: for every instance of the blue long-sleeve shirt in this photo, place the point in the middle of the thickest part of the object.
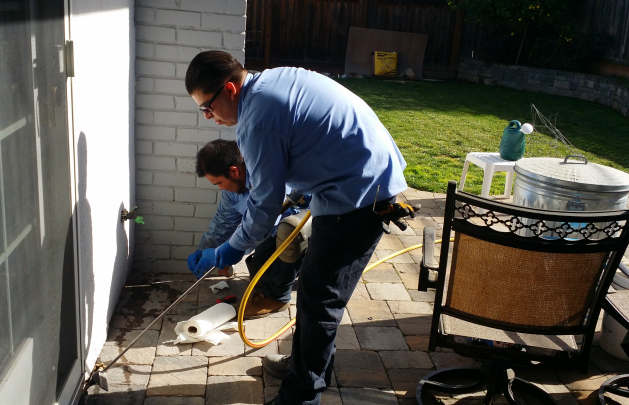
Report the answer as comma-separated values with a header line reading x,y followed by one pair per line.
x,y
304,130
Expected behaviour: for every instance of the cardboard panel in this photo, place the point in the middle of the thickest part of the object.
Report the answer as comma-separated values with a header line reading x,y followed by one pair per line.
x,y
363,41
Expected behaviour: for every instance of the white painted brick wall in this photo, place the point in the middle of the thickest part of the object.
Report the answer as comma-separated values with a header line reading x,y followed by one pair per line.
x,y
175,204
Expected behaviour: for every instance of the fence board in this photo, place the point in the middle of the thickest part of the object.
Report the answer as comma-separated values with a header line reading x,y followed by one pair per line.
x,y
317,30
610,17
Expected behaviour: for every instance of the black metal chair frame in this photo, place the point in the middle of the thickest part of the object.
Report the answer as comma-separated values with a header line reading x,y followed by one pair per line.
x,y
615,384
496,372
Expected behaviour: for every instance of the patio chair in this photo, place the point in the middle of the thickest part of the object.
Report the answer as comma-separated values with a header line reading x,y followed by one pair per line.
x,y
524,287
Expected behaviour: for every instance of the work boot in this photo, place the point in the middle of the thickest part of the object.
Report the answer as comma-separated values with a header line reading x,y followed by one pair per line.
x,y
258,306
276,364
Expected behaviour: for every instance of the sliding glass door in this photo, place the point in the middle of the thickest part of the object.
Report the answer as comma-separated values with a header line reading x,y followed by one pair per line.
x,y
38,308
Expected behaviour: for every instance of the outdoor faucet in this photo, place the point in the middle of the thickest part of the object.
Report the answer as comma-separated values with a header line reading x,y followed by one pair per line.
x,y
131,215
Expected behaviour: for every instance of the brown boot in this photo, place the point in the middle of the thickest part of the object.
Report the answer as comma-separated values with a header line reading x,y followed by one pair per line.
x,y
258,306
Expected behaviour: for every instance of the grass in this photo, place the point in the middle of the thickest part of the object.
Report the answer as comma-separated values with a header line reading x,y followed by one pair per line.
x,y
435,124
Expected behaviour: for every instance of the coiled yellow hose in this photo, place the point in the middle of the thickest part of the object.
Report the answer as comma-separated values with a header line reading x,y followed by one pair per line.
x,y
245,298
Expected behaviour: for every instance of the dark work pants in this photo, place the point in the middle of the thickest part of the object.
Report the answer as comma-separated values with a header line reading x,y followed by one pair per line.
x,y
339,249
277,282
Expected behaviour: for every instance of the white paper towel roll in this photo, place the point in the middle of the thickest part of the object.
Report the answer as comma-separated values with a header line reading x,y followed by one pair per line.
x,y
209,319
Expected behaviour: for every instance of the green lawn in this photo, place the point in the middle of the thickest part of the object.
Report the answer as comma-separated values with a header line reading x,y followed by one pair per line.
x,y
435,124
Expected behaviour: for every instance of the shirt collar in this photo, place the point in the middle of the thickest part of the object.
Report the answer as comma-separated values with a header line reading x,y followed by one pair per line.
x,y
246,85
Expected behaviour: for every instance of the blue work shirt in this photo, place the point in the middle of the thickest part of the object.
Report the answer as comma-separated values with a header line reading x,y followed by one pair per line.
x,y
231,210
304,130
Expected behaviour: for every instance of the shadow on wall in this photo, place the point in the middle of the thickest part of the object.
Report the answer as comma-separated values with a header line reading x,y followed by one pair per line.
x,y
85,246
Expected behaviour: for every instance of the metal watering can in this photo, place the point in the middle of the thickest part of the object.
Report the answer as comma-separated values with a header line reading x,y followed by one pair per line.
x,y
513,142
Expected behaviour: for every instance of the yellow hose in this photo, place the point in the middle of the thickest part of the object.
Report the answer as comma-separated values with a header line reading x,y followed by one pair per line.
x,y
245,298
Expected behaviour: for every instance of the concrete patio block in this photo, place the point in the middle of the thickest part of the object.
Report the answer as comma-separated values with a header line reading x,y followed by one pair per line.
x,y
143,352
606,362
414,324
383,273
168,333
261,352
403,258
388,291
346,319
416,342
410,280
175,401
332,396
133,374
250,366
390,242
355,368
377,338
183,376
405,381
403,359
367,396
576,381
234,390
410,307
451,359
117,395
346,338
422,296
559,392
360,293
370,313
263,328
407,268
227,347
140,322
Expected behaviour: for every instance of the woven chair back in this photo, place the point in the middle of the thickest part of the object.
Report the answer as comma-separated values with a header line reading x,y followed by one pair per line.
x,y
502,285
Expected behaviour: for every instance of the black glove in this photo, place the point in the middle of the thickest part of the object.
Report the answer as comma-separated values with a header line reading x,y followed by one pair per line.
x,y
395,212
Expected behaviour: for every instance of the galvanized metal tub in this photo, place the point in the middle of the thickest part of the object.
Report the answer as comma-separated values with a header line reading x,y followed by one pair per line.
x,y
569,184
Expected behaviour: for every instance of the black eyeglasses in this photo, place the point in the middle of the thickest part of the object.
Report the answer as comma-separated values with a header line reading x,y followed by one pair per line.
x,y
207,106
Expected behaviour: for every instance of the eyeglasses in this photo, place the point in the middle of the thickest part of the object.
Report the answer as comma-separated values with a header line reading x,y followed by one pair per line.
x,y
207,106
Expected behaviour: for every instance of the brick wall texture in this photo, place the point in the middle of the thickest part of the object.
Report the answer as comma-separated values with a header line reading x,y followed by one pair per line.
x,y
176,205
599,89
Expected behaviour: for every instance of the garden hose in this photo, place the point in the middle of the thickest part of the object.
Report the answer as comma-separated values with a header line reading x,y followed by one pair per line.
x,y
243,304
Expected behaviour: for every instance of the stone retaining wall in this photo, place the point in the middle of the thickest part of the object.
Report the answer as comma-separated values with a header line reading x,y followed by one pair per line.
x,y
599,89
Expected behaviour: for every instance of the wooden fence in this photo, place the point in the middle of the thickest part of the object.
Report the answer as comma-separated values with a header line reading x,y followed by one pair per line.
x,y
610,17
317,30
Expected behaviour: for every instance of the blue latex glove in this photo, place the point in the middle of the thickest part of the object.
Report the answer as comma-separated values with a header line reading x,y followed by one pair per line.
x,y
226,255
208,257
193,259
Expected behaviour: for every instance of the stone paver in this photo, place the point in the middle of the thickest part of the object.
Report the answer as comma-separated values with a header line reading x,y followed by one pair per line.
x,y
235,366
226,389
183,376
143,352
378,338
382,340
355,368
370,313
174,401
388,291
402,359
370,396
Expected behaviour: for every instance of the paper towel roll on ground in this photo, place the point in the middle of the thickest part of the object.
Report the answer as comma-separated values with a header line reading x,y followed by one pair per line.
x,y
209,319
207,326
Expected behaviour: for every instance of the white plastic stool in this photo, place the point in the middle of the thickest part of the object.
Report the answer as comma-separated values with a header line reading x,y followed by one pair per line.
x,y
490,163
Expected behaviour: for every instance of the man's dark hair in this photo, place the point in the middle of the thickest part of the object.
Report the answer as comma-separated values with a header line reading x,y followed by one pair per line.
x,y
209,70
216,157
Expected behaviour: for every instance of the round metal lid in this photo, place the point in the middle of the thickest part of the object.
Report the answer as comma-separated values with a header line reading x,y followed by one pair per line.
x,y
574,173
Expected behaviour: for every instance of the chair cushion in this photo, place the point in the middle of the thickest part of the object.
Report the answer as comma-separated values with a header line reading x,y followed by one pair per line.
x,y
620,300
458,327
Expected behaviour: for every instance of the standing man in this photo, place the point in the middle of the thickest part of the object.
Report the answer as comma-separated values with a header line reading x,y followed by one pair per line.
x,y
304,130
222,164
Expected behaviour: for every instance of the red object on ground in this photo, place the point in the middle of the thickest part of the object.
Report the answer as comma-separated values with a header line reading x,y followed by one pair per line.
x,y
229,299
